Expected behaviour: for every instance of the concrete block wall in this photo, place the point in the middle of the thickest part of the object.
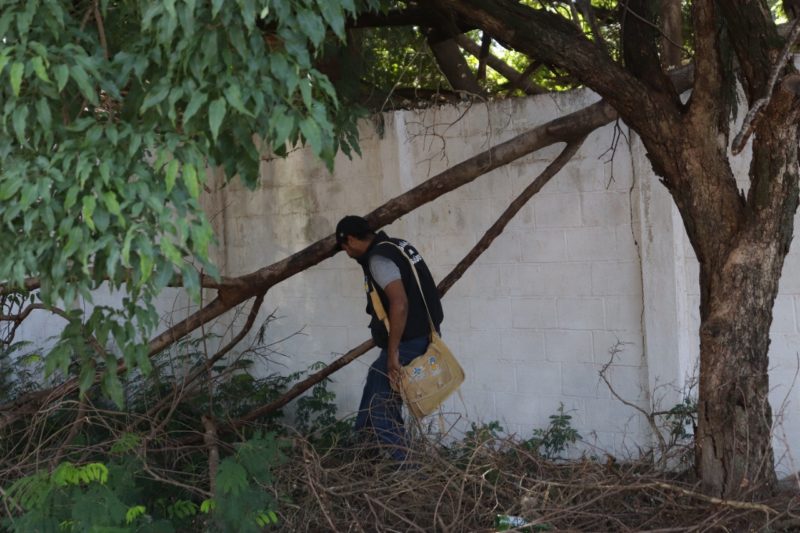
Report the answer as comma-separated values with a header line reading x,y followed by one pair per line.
x,y
532,321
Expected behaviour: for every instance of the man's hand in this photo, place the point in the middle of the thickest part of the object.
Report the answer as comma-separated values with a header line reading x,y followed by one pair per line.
x,y
393,365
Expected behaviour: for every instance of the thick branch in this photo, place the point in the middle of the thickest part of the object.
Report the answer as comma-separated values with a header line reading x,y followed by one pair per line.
x,y
639,36
452,63
554,40
756,40
500,66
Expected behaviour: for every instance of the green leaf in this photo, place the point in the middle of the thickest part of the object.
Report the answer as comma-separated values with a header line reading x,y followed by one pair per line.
x,y
43,113
133,513
19,118
113,386
89,204
333,16
234,96
16,77
311,25
169,250
231,477
216,5
61,73
312,134
190,180
195,102
155,97
206,506
84,85
110,199
216,112
4,59
38,68
86,379
171,174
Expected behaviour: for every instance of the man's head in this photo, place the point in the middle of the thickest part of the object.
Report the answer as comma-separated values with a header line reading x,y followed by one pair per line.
x,y
354,235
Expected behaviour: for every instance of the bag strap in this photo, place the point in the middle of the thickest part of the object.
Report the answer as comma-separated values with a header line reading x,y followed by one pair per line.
x,y
377,306
419,284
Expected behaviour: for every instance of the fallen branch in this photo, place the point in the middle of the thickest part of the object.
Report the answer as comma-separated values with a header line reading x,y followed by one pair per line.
x,y
234,291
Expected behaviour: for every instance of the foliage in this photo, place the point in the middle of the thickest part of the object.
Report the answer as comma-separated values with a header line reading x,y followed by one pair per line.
x,y
680,418
118,496
107,475
315,416
111,113
553,440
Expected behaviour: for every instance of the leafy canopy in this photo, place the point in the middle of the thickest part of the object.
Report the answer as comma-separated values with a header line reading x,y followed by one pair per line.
x,y
111,113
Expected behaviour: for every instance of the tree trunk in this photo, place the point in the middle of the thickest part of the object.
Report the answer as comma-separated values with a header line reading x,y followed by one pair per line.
x,y
739,276
734,416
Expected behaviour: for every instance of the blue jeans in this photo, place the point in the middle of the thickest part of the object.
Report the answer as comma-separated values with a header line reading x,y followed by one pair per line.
x,y
381,407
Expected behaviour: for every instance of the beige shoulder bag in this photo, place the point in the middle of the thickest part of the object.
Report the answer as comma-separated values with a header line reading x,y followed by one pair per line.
x,y
429,379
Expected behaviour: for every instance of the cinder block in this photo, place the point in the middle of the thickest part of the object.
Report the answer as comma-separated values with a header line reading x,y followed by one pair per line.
x,y
583,381
569,346
541,378
490,313
534,313
491,375
484,281
556,279
483,346
543,246
514,408
523,345
616,279
591,244
557,210
580,313
623,312
612,416
628,383
504,249
456,313
627,243
605,209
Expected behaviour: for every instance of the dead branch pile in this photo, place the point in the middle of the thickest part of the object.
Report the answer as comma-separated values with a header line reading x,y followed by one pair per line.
x,y
461,486
444,489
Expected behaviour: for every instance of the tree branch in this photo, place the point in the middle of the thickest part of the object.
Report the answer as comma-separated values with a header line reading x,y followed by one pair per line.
x,y
501,67
752,116
554,40
452,63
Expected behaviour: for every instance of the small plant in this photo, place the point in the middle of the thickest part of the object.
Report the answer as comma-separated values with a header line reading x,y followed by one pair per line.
x,y
682,416
553,440
480,434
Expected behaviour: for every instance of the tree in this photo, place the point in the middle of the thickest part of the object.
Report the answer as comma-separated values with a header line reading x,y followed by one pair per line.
x,y
111,113
106,85
740,241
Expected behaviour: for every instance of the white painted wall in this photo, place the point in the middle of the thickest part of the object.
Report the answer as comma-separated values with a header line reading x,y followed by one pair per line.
x,y
532,321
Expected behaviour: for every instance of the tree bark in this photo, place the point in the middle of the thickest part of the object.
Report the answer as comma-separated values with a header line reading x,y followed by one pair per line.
x,y
672,39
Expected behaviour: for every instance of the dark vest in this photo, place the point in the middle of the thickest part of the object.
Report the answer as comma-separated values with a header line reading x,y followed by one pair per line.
x,y
417,321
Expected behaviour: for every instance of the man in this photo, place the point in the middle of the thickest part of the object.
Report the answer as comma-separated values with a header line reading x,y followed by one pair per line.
x,y
387,270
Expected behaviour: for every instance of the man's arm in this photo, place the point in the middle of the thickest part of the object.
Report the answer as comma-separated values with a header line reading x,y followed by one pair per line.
x,y
398,313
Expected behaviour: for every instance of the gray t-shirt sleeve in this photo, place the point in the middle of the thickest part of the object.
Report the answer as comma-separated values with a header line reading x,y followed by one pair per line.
x,y
383,270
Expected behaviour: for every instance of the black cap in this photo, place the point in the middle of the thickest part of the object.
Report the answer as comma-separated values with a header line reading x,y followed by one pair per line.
x,y
352,225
